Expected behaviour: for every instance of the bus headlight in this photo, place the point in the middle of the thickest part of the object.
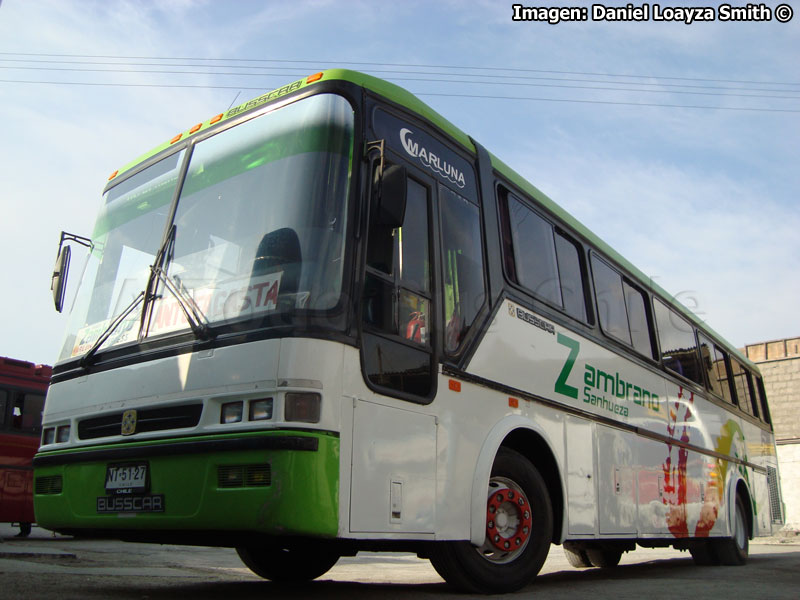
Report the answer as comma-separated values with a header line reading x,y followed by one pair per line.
x,y
231,412
48,435
261,410
62,434
304,407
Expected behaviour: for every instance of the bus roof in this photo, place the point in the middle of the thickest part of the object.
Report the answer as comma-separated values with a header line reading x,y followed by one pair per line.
x,y
21,373
406,99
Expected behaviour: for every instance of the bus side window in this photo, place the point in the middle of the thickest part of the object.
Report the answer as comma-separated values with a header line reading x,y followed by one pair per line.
x,y
742,383
762,395
610,295
534,251
27,412
462,264
3,407
678,344
753,395
571,271
639,324
715,364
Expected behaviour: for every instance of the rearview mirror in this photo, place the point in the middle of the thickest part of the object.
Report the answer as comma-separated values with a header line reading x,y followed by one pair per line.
x,y
58,283
391,197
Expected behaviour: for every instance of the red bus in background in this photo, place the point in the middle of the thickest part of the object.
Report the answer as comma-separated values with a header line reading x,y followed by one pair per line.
x,y
23,386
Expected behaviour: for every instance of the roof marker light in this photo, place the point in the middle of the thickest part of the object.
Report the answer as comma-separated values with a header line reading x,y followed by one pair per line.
x,y
176,138
114,174
195,128
314,77
215,119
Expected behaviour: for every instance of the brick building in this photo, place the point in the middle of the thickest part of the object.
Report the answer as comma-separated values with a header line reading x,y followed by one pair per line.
x,y
779,362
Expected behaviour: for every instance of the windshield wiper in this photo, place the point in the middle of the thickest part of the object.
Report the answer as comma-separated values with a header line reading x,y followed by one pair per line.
x,y
194,315
86,360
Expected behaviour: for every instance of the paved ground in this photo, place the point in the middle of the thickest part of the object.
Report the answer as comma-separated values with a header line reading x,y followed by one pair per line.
x,y
47,566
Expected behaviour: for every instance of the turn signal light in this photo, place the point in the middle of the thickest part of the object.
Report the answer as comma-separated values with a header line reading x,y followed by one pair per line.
x,y
303,407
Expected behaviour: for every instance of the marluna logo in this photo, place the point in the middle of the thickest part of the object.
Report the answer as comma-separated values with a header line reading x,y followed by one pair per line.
x,y
430,160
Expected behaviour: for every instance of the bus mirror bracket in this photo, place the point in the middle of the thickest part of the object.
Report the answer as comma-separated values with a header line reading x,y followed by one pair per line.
x,y
58,282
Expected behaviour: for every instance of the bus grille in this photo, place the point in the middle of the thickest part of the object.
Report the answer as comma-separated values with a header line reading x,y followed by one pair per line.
x,y
51,484
148,419
775,504
240,476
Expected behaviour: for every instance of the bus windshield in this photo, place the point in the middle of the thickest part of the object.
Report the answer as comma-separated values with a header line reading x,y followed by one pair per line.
x,y
258,230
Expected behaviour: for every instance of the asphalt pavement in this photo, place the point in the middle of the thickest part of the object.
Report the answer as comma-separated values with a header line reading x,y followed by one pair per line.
x,y
46,566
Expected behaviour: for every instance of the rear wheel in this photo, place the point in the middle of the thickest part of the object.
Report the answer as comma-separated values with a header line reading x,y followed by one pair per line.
x,y
734,550
288,564
704,554
576,556
604,558
519,529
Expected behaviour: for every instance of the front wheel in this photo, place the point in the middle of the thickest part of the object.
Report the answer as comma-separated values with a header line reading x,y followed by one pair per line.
x,y
288,564
519,529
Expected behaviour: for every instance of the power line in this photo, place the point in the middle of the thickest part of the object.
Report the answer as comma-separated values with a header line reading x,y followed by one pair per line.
x,y
781,110
451,81
421,93
405,65
383,72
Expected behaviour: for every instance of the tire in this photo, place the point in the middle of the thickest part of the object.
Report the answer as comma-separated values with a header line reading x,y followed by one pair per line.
x,y
733,551
577,557
519,526
704,554
24,530
287,565
604,558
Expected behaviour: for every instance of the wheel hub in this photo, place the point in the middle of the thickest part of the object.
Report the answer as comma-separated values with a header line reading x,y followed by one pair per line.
x,y
508,520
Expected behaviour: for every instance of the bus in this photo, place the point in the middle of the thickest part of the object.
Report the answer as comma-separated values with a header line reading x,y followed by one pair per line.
x,y
23,386
328,321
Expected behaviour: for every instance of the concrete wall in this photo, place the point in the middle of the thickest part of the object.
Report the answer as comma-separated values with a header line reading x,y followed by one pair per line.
x,y
779,362
789,465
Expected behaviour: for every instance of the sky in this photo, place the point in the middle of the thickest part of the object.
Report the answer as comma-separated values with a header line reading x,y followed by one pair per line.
x,y
678,144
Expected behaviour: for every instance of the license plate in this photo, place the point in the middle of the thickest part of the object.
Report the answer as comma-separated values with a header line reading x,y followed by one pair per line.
x,y
129,478
151,503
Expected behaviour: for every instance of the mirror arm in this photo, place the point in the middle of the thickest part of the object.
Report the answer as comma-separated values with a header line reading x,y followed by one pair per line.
x,y
78,239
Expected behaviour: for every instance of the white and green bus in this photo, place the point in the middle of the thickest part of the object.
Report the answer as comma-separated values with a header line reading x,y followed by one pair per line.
x,y
328,321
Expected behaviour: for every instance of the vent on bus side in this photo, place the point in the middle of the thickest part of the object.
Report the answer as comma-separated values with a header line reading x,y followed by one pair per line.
x,y
147,419
52,484
775,504
241,476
